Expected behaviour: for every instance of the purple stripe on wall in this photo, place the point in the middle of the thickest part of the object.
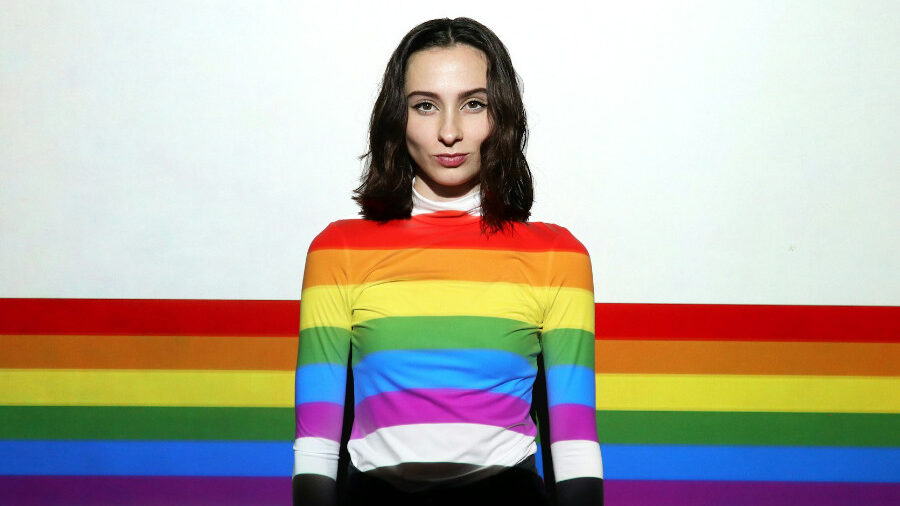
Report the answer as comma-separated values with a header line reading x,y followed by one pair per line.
x,y
442,405
144,490
748,493
572,421
203,491
319,419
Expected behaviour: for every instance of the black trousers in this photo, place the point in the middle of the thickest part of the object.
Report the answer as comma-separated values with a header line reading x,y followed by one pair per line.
x,y
516,486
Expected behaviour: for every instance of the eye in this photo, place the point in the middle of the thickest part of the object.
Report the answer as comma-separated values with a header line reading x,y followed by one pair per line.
x,y
424,107
479,105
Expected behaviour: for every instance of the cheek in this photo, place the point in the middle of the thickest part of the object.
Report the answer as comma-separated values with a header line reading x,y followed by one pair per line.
x,y
482,130
415,134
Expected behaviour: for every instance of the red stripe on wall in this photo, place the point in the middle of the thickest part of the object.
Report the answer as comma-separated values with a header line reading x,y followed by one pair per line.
x,y
749,322
168,317
280,318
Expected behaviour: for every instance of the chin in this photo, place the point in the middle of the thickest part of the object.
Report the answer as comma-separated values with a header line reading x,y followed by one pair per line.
x,y
452,179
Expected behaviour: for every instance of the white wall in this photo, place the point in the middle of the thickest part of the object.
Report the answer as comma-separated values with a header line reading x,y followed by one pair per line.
x,y
705,152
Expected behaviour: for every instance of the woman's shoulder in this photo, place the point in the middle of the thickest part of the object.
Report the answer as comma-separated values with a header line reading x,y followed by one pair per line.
x,y
334,234
556,236
341,233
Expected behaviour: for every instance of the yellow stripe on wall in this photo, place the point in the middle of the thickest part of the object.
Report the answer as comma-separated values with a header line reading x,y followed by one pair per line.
x,y
654,392
146,387
739,392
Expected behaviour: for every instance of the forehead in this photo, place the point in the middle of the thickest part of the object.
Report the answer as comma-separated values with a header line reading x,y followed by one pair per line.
x,y
450,68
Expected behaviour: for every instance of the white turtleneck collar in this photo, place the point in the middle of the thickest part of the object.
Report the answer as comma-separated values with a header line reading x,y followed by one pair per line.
x,y
470,203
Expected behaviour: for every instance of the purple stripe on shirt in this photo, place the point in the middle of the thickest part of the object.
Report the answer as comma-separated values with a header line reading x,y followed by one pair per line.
x,y
442,405
572,421
319,419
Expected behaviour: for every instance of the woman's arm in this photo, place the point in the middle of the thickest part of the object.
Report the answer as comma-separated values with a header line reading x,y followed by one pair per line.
x,y
313,490
321,376
567,341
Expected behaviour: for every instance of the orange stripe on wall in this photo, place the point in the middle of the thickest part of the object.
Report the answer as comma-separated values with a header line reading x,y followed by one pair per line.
x,y
733,357
147,352
612,356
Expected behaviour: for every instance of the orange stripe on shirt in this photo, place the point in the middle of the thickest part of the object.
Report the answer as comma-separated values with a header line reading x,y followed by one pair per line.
x,y
369,266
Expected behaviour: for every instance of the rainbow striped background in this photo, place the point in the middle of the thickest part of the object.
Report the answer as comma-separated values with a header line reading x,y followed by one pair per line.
x,y
191,402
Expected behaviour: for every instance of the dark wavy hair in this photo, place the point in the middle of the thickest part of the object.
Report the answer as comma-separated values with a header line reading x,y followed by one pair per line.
x,y
507,188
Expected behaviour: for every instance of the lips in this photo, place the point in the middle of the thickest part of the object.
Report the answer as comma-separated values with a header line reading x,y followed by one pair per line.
x,y
454,160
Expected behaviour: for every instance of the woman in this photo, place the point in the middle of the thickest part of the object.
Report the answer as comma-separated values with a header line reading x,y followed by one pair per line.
x,y
443,299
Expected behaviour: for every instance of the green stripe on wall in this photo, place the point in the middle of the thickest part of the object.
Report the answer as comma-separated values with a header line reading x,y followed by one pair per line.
x,y
615,427
748,428
139,422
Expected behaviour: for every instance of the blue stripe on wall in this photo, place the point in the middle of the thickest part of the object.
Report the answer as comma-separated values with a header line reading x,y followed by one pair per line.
x,y
146,458
751,463
625,462
538,461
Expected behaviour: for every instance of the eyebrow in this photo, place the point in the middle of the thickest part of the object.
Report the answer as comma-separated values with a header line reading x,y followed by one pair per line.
x,y
435,95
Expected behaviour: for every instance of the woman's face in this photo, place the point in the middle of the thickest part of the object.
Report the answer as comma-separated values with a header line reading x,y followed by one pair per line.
x,y
446,90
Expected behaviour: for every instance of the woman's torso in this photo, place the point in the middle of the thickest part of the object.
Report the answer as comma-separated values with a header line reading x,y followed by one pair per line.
x,y
445,338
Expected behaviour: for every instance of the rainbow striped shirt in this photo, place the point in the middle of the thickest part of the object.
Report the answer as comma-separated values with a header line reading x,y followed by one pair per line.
x,y
442,326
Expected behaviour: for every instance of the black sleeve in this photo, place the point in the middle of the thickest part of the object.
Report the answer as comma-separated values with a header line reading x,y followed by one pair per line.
x,y
580,492
313,490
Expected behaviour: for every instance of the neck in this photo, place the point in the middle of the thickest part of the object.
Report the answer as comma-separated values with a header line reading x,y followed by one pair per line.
x,y
432,190
469,203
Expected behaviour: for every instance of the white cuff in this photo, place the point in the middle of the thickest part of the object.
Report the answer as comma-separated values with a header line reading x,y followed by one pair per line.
x,y
316,455
576,459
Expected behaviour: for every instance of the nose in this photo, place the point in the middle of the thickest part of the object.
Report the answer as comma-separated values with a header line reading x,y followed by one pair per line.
x,y
451,131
